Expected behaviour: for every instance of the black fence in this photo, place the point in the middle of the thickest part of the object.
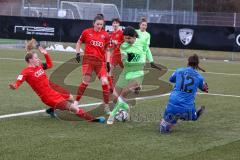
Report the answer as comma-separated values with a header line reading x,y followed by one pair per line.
x,y
162,35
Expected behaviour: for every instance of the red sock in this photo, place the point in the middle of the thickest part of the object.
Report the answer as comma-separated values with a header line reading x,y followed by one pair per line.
x,y
81,90
82,114
110,81
105,90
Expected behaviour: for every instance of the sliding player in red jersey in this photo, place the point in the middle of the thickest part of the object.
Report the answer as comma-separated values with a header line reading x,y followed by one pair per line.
x,y
116,39
50,94
96,41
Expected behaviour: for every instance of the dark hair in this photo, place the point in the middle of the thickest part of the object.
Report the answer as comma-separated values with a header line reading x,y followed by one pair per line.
x,y
143,19
116,20
28,56
98,17
193,61
130,31
100,14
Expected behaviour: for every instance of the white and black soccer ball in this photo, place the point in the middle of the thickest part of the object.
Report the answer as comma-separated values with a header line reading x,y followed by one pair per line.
x,y
121,116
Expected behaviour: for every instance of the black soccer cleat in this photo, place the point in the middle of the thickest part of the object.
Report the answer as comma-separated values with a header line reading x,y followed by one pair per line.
x,y
51,112
200,111
137,90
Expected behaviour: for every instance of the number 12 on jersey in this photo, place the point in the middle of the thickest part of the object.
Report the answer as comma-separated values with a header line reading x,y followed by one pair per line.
x,y
187,82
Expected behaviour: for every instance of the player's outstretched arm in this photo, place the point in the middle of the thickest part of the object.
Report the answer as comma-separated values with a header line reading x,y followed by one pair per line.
x,y
173,77
149,54
205,87
12,86
49,63
20,79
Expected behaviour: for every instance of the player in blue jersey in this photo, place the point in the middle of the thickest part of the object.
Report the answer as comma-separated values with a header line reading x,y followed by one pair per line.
x,y
181,103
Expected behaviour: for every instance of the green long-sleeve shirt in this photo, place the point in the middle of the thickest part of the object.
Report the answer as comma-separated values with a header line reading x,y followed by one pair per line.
x,y
145,36
134,68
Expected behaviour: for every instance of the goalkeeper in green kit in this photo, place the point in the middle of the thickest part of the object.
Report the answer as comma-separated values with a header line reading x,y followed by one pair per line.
x,y
133,53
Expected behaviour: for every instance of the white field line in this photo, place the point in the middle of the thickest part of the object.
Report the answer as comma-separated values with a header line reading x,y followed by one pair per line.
x,y
221,95
40,111
98,103
216,73
172,70
202,61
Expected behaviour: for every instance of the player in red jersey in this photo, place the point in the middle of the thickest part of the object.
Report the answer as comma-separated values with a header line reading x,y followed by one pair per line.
x,y
116,39
34,74
96,41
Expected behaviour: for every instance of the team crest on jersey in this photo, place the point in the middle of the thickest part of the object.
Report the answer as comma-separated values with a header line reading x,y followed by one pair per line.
x,y
20,77
186,35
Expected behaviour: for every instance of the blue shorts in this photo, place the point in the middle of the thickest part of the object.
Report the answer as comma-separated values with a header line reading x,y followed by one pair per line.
x,y
173,113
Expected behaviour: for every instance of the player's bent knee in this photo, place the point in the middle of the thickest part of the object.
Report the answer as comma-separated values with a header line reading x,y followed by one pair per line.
x,y
73,108
86,81
104,81
71,98
63,105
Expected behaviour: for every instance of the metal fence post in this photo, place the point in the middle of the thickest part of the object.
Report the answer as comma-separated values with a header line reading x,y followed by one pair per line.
x,y
58,5
172,8
121,9
235,17
11,10
147,7
135,15
42,10
28,9
234,25
184,17
192,7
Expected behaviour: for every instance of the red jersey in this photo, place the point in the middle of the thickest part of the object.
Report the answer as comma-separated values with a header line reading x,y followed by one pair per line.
x,y
116,38
38,80
95,45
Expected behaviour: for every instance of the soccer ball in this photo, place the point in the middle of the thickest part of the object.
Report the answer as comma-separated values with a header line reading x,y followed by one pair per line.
x,y
121,116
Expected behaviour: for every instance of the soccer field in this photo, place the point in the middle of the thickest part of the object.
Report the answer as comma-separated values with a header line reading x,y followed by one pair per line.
x,y
37,136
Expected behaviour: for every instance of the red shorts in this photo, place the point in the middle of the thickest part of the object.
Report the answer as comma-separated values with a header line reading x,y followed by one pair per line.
x,y
56,99
99,69
116,59
60,90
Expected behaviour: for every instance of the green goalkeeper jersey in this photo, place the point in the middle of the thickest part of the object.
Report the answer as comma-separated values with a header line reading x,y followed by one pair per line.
x,y
133,67
145,36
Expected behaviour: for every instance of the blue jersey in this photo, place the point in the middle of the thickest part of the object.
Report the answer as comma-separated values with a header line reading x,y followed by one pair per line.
x,y
187,81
